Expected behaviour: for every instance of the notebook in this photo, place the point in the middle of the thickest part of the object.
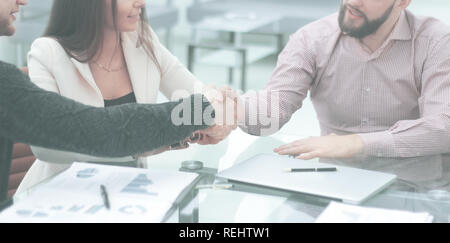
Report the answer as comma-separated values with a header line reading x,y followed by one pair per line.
x,y
350,185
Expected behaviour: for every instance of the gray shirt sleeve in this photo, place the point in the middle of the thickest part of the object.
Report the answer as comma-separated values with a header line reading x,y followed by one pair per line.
x,y
31,115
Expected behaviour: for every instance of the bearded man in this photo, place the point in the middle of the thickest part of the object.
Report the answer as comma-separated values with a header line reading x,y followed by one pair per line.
x,y
379,80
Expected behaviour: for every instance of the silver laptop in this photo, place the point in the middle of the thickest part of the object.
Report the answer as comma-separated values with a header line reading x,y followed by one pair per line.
x,y
350,185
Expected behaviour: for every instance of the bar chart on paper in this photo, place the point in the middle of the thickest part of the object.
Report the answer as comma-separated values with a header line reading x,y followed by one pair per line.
x,y
136,195
140,185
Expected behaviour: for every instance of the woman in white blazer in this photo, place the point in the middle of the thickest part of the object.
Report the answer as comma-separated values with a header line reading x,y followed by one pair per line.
x,y
100,52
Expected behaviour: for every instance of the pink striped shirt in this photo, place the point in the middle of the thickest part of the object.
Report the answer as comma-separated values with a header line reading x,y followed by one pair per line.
x,y
397,98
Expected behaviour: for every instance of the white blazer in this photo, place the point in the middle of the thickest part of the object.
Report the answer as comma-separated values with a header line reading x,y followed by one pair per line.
x,y
52,69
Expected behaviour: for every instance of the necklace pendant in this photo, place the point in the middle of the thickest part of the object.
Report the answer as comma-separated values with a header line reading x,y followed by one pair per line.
x,y
109,70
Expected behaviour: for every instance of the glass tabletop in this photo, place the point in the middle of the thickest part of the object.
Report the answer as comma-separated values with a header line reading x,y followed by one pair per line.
x,y
244,203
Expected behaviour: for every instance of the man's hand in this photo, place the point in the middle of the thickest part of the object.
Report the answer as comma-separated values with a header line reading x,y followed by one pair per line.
x,y
214,135
180,146
224,102
331,146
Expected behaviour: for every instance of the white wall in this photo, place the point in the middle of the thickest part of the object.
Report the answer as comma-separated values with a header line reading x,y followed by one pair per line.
x,y
439,9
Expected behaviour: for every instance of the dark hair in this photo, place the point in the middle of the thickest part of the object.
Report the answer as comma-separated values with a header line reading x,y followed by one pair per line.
x,y
78,26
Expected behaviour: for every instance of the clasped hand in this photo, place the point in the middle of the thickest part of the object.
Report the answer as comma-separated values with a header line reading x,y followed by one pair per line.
x,y
224,101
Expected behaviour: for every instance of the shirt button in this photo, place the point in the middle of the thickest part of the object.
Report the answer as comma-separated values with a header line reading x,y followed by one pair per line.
x,y
368,90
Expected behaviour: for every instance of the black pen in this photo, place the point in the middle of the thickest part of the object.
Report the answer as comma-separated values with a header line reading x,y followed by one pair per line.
x,y
311,169
105,196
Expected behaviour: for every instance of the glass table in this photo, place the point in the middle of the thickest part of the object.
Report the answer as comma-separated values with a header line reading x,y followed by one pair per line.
x,y
245,203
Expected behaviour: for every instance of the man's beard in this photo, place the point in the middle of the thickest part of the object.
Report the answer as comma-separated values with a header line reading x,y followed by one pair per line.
x,y
368,28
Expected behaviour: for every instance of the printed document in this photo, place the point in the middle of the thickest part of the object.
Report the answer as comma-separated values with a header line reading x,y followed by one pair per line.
x,y
135,195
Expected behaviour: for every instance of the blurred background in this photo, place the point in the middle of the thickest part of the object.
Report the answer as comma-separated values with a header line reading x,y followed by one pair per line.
x,y
176,22
224,42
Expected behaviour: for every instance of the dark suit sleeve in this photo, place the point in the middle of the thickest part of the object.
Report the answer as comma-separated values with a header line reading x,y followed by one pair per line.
x,y
31,115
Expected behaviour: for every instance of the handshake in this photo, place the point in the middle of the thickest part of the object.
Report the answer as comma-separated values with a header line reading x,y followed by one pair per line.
x,y
228,111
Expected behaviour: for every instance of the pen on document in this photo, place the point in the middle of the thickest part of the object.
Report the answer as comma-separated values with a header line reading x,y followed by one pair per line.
x,y
215,186
105,196
310,170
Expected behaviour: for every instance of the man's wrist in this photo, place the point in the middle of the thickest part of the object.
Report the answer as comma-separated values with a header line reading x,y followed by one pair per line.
x,y
357,144
378,144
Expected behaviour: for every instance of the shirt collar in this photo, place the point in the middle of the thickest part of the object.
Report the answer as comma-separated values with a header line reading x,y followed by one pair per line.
x,y
402,30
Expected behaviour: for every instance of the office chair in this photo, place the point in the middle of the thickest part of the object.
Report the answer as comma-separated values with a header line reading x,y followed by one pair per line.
x,y
22,160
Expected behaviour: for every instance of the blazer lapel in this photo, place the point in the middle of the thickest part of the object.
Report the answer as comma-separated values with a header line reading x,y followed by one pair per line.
x,y
85,72
142,71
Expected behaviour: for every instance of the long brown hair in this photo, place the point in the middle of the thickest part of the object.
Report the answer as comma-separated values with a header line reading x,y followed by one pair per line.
x,y
78,26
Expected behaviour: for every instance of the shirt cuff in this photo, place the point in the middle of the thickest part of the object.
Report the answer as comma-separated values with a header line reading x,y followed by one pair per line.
x,y
250,105
378,144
